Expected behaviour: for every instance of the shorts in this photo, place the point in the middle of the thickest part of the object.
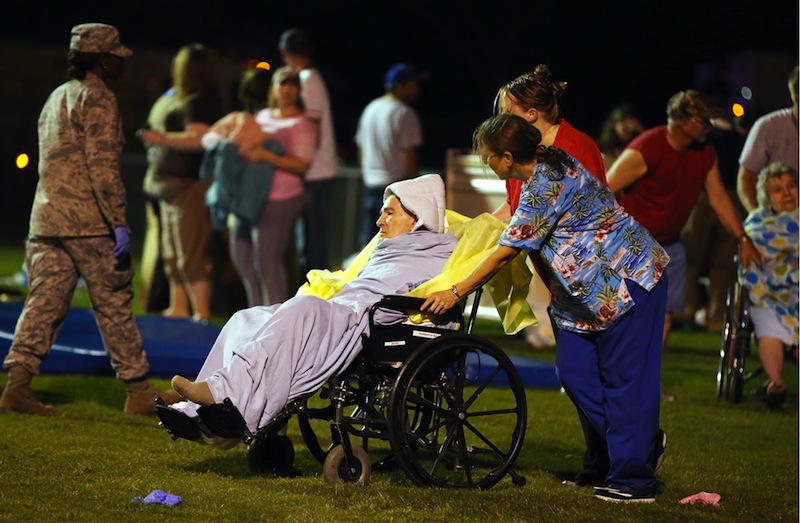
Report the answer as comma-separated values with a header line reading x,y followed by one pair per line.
x,y
186,232
767,325
676,272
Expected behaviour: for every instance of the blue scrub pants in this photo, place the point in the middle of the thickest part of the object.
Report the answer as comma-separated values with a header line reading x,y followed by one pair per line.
x,y
613,378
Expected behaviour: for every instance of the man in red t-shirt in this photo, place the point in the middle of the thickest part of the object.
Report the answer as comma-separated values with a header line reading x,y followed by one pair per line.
x,y
658,178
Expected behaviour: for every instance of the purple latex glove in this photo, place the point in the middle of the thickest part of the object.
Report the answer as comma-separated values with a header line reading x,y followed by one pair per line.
x,y
162,498
123,241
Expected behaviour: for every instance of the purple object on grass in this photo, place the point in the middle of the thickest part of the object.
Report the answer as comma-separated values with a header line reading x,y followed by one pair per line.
x,y
163,498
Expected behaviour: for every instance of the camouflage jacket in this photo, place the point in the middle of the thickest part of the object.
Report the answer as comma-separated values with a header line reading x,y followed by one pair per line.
x,y
80,192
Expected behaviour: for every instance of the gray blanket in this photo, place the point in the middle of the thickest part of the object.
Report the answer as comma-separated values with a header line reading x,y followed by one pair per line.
x,y
266,356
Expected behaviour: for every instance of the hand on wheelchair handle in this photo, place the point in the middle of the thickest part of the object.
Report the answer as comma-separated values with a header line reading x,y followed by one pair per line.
x,y
748,253
439,302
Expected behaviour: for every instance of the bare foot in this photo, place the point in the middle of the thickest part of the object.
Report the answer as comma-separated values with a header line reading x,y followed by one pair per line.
x,y
197,392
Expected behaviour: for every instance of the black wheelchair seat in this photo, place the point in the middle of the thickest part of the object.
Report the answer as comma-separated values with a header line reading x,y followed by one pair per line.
x,y
394,343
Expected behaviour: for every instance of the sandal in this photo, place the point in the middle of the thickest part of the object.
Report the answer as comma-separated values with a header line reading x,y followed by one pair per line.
x,y
776,394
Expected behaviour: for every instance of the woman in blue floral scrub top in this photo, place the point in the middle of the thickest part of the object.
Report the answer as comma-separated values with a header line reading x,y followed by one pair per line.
x,y
606,276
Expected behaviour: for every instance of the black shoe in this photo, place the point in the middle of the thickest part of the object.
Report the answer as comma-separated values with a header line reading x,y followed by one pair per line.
x,y
224,420
618,496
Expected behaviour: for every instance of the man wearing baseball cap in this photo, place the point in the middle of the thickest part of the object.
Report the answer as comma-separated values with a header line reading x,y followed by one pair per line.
x,y
658,179
388,135
297,52
78,227
401,74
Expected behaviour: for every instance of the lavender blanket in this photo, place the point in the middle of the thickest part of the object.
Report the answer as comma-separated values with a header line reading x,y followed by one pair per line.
x,y
266,356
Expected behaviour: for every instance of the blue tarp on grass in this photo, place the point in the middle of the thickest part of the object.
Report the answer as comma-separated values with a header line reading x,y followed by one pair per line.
x,y
173,346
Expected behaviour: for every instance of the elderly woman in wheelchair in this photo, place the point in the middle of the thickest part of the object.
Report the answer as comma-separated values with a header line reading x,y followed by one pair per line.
x,y
266,355
773,288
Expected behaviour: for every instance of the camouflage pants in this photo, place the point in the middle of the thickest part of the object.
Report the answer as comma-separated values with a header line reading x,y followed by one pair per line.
x,y
54,266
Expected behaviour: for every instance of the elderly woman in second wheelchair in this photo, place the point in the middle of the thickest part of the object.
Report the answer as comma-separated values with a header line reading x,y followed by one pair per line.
x,y
773,289
266,356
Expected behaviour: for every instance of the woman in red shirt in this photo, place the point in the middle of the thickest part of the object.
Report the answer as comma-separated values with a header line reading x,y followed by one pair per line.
x,y
534,96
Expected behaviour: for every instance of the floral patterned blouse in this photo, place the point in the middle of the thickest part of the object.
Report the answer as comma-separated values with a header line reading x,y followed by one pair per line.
x,y
775,286
587,241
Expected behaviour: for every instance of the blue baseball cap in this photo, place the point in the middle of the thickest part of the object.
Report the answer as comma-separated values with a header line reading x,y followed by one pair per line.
x,y
401,73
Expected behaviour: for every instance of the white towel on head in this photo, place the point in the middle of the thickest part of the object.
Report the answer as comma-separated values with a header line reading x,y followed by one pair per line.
x,y
423,196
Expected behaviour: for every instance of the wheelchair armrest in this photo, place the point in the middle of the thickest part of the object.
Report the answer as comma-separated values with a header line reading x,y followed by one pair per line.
x,y
398,302
405,303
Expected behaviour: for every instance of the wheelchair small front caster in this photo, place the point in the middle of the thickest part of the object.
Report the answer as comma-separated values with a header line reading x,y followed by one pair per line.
x,y
273,454
335,469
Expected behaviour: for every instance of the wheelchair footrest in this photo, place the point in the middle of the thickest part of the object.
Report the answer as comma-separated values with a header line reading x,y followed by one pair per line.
x,y
178,424
224,420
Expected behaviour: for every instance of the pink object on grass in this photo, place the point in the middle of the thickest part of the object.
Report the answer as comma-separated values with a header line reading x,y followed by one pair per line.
x,y
704,498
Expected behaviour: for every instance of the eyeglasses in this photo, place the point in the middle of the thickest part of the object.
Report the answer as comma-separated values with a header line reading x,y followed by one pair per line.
x,y
485,157
704,121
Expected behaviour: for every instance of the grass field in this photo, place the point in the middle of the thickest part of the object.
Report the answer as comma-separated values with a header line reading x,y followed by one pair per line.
x,y
89,462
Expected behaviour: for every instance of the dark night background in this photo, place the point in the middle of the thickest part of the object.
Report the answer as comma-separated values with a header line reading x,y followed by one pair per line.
x,y
609,52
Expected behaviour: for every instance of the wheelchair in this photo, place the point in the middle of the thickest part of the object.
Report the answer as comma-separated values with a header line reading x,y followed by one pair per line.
x,y
738,336
446,407
737,339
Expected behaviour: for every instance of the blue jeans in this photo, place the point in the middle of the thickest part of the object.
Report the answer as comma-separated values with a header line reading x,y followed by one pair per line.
x,y
316,215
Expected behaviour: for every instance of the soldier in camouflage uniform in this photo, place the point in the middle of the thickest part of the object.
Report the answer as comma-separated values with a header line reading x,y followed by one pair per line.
x,y
78,227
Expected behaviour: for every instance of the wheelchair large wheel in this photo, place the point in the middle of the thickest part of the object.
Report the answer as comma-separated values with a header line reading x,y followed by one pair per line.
x,y
477,412
735,377
726,349
735,348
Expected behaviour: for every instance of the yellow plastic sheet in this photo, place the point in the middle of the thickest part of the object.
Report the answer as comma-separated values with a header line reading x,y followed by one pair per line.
x,y
477,237
325,284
